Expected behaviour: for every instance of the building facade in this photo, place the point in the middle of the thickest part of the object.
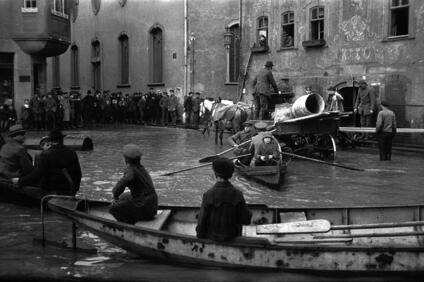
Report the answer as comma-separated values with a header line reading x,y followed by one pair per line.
x,y
328,42
30,32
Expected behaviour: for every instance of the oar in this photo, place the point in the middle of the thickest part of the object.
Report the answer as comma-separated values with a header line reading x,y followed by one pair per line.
x,y
211,158
321,162
202,165
307,226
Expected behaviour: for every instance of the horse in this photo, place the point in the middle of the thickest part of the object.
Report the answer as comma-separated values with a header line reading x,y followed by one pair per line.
x,y
224,114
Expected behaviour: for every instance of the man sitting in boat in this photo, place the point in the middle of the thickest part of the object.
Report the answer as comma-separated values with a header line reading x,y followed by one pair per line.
x,y
141,203
268,152
257,140
58,170
240,137
14,158
223,210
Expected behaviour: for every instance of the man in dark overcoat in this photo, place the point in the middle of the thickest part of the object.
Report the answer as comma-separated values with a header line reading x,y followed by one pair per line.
x,y
58,170
365,103
262,83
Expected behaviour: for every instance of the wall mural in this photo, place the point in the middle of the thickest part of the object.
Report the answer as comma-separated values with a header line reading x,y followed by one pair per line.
x,y
354,29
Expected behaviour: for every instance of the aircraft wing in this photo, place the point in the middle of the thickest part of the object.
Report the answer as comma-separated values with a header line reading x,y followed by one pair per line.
x,y
372,130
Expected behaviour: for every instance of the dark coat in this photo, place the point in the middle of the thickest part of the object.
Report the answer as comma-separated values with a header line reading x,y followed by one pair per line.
x,y
49,170
222,213
365,101
263,82
14,160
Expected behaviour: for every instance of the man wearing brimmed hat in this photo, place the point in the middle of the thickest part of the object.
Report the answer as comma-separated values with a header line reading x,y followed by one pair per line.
x,y
262,84
240,137
386,130
58,170
365,103
14,158
223,211
141,203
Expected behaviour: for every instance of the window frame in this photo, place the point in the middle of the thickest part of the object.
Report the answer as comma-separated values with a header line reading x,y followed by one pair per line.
x,y
260,28
233,56
398,7
32,9
124,59
313,21
156,81
62,11
287,24
75,81
96,64
412,21
56,72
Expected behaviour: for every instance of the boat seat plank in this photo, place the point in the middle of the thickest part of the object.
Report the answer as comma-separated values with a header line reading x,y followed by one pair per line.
x,y
158,222
312,241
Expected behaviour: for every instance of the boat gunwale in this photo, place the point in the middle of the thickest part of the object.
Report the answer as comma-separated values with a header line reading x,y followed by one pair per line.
x,y
287,246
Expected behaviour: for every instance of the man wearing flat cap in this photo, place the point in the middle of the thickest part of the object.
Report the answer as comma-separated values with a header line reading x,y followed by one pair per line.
x,y
14,158
223,211
141,203
58,170
240,137
365,103
262,83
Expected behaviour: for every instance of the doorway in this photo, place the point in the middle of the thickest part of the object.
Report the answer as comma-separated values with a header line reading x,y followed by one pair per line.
x,y
6,78
349,96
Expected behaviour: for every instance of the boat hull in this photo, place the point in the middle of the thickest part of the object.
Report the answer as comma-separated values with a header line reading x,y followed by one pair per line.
x,y
271,176
25,196
176,242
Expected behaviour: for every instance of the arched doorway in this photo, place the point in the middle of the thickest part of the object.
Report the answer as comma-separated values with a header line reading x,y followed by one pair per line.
x,y
349,95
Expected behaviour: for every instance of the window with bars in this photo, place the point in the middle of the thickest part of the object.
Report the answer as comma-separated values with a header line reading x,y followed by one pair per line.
x,y
262,31
60,8
124,58
74,66
317,23
287,29
399,17
234,54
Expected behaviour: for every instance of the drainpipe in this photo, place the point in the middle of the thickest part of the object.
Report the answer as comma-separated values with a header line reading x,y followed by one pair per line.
x,y
185,46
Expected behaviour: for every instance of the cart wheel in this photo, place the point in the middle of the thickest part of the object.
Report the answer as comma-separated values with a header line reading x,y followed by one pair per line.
x,y
326,146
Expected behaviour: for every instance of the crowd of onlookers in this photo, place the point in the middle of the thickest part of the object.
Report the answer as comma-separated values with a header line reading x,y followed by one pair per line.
x,y
58,109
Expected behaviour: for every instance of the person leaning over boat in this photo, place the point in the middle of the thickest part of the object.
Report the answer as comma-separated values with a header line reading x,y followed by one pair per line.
x,y
268,152
49,174
223,211
141,203
14,158
240,137
45,144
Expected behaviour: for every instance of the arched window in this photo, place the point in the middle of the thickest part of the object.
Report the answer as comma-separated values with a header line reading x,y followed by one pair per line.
x,y
95,65
74,66
287,29
233,55
262,31
156,55
124,59
317,23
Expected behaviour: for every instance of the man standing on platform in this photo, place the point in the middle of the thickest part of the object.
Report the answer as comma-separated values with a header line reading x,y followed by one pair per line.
x,y
365,103
262,84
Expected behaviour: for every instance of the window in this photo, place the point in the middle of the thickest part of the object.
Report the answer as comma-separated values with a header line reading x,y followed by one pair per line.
x,y
74,66
30,6
156,66
287,29
234,54
262,31
60,8
399,21
124,58
95,65
56,72
317,23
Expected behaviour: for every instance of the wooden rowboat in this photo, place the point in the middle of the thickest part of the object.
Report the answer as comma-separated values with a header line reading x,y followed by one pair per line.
x,y
25,196
357,239
271,176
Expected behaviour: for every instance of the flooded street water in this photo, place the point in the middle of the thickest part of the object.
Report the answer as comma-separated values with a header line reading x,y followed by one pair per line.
x,y
307,184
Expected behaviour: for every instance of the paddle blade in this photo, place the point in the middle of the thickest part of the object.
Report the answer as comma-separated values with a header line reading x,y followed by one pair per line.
x,y
307,226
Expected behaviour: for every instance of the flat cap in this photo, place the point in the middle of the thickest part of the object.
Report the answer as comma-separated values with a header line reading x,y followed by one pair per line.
x,y
260,125
223,167
131,151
